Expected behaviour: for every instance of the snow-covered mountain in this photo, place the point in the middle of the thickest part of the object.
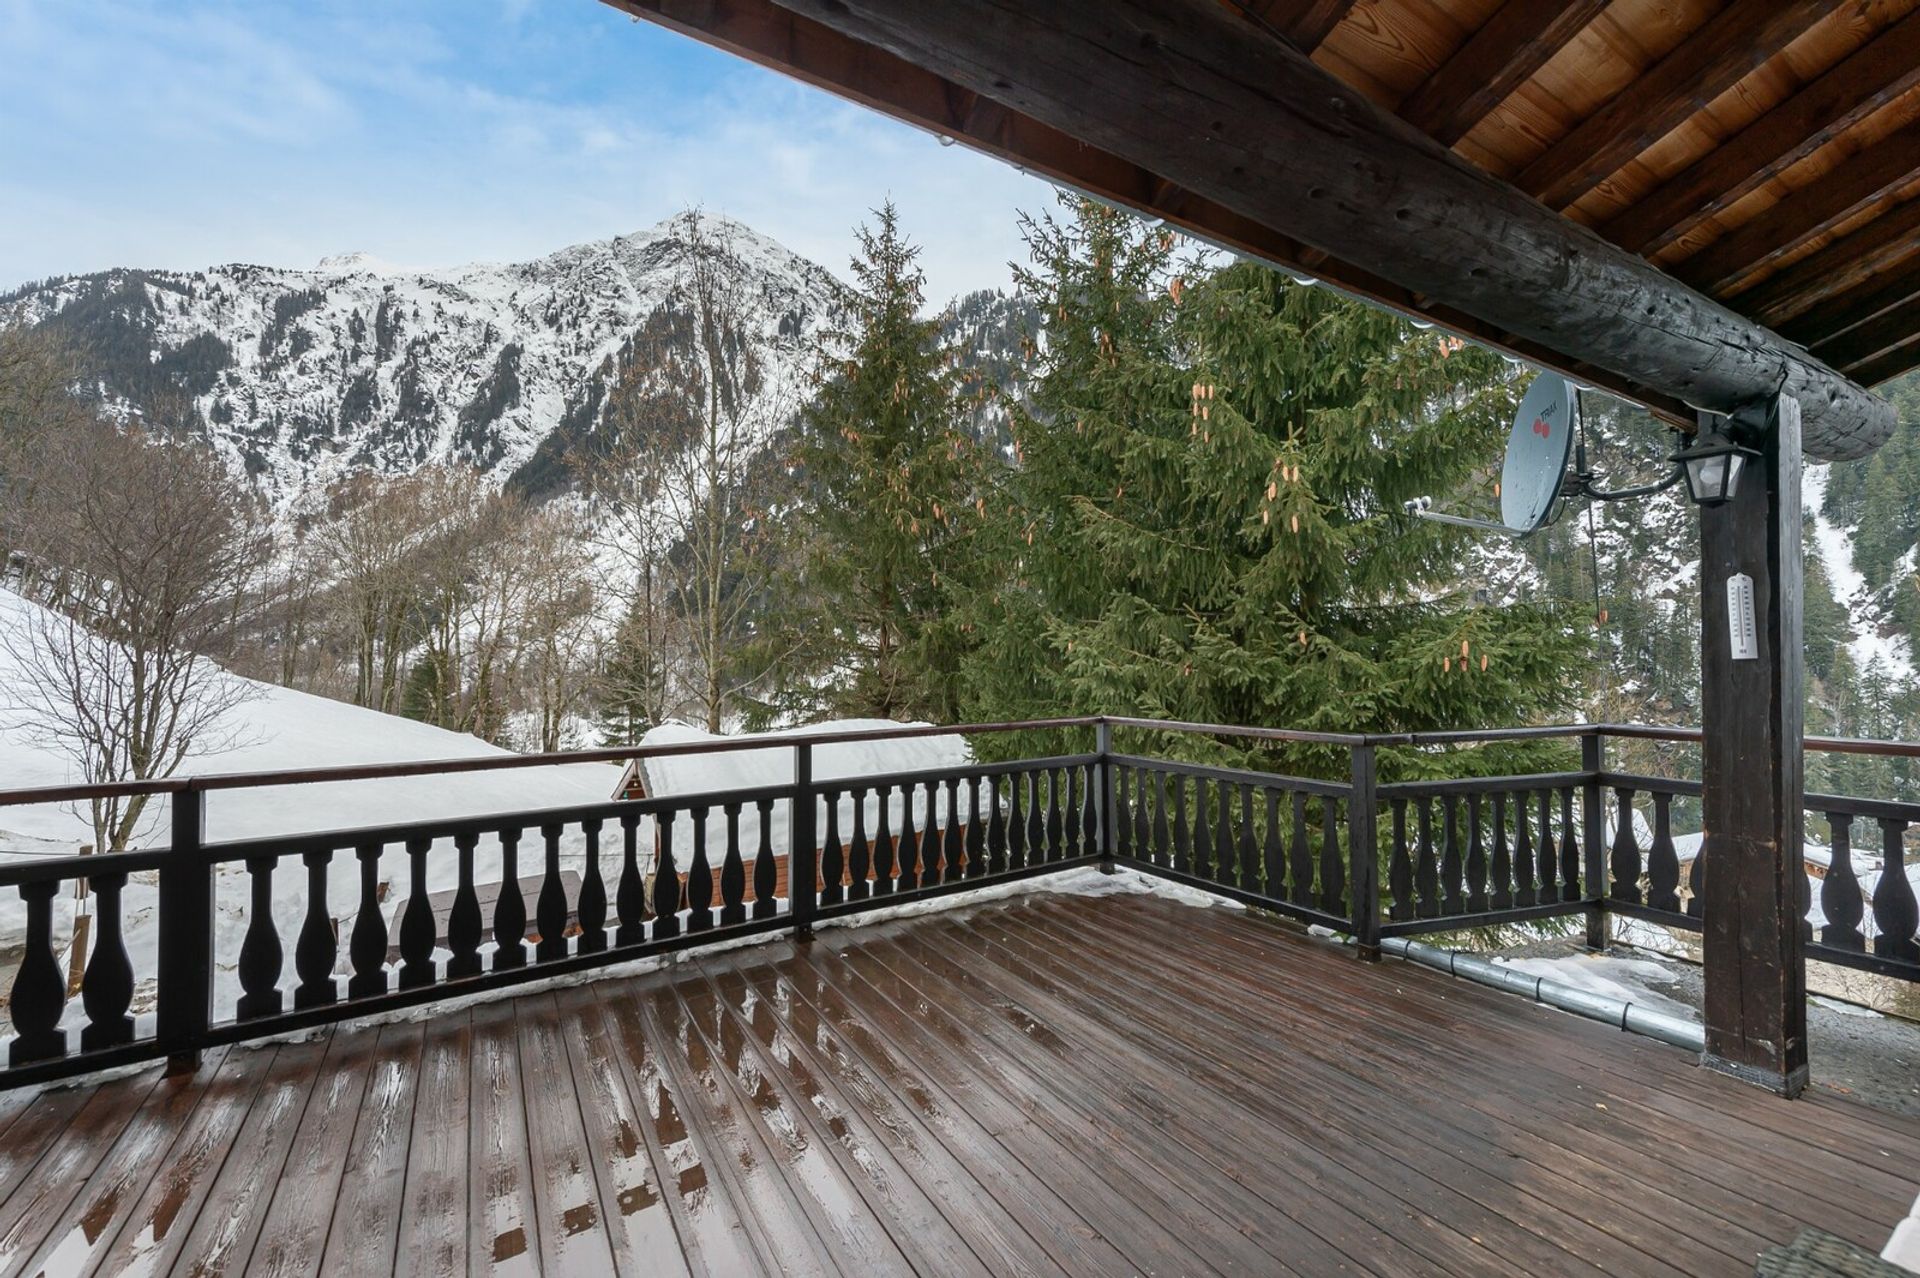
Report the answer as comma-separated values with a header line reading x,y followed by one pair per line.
x,y
301,376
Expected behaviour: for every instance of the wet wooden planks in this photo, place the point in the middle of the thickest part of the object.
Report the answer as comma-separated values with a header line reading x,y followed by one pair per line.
x,y
1053,1084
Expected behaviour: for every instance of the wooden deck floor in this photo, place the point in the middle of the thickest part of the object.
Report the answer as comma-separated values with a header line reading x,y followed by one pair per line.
x,y
1099,1085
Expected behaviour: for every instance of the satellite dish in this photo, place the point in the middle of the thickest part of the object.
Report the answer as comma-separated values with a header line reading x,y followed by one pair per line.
x,y
1537,451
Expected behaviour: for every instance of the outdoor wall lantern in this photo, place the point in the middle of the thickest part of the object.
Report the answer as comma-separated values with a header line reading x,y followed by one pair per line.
x,y
1713,464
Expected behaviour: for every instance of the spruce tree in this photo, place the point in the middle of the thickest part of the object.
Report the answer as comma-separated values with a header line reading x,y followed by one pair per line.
x,y
1205,521
895,474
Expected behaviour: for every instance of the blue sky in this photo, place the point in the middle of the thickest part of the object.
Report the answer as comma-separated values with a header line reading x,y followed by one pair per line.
x,y
183,133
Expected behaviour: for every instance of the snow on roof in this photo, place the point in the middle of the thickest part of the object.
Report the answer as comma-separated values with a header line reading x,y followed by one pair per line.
x,y
758,769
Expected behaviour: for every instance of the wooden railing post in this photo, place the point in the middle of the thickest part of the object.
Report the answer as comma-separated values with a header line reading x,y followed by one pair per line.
x,y
1363,852
183,1007
1593,761
1103,746
804,855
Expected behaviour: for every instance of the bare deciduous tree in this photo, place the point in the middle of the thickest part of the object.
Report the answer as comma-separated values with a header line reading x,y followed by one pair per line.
x,y
142,552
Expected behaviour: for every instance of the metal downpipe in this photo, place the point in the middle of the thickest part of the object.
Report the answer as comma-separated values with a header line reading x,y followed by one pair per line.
x,y
1616,1012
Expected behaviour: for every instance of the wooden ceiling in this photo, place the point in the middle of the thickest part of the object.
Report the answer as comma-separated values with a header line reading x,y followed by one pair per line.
x,y
1721,194
1766,152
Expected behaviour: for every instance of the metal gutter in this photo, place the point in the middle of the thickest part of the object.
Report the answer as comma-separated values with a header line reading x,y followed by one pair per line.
x,y
1623,1015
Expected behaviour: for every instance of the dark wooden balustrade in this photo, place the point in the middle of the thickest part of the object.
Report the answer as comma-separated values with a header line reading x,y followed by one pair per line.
x,y
1361,857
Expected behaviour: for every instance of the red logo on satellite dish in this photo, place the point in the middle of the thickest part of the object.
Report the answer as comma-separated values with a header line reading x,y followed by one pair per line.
x,y
1541,428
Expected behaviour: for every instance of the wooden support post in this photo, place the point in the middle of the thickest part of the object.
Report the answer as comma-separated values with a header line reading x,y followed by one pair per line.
x,y
803,845
1363,851
183,993
1756,1008
1103,746
1593,761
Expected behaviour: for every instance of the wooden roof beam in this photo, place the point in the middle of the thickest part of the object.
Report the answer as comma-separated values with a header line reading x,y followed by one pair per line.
x,y
1519,39
1862,344
1855,87
1702,67
1890,364
1174,87
1851,187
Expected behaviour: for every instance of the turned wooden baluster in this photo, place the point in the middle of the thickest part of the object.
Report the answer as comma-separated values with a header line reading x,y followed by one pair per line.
x,y
884,869
1122,811
417,927
1203,848
1841,899
1162,841
550,907
367,945
976,831
1426,865
932,836
860,860
630,897
1037,817
833,866
1663,862
666,883
1697,881
39,993
1569,849
464,924
1273,854
1226,865
996,829
908,877
1451,901
1333,867
1476,858
509,908
733,872
260,951
316,949
1301,853
1623,863
1894,910
1089,811
1400,865
1249,848
1056,824
592,907
766,875
1548,862
1523,862
700,875
106,990
1182,836
951,870
1501,869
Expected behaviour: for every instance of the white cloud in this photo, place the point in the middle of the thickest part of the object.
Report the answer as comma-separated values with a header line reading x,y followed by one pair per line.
x,y
187,134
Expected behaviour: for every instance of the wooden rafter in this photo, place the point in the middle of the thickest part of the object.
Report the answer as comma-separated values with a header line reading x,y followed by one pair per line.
x,y
1816,208
1890,363
1305,23
1866,342
1899,287
1847,263
1704,65
1846,93
1498,58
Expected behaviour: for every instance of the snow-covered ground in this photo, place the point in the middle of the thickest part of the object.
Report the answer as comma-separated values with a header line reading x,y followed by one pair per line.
x,y
281,729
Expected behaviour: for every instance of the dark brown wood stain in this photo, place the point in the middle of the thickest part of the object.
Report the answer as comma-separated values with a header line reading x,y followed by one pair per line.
x,y
1052,1084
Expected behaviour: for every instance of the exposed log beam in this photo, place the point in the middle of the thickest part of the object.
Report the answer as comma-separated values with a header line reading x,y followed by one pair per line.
x,y
1891,363
1838,314
1702,67
760,31
1861,345
1174,87
1849,188
1501,56
1846,93
1305,23
1846,263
